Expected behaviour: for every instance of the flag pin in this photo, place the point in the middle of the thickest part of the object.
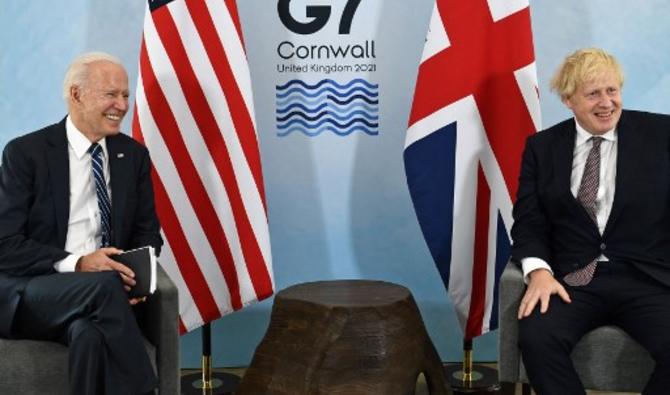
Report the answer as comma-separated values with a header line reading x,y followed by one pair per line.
x,y
120,155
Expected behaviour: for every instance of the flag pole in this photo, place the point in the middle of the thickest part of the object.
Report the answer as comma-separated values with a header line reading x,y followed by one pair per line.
x,y
207,382
467,378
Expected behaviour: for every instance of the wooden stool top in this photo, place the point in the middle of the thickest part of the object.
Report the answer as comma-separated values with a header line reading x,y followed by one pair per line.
x,y
346,293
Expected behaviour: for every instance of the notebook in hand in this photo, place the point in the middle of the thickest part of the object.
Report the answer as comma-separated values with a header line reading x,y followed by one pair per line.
x,y
142,261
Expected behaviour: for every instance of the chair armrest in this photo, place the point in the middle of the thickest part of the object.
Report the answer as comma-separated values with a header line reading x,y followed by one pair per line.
x,y
512,289
161,328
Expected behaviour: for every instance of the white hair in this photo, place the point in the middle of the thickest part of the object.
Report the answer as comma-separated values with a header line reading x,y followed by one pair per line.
x,y
77,73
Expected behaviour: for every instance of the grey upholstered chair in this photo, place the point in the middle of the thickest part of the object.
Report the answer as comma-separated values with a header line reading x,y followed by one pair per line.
x,y
606,358
29,367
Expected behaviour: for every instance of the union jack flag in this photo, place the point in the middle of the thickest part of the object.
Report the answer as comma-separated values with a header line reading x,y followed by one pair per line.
x,y
194,111
476,101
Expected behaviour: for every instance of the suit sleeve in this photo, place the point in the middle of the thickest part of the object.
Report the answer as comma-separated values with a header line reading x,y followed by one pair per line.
x,y
146,228
19,254
530,232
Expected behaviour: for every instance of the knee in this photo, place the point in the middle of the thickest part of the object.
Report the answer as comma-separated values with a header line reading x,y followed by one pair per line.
x,y
101,289
109,284
662,358
539,336
84,333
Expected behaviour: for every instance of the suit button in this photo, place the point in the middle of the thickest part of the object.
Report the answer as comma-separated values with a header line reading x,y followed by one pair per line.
x,y
602,247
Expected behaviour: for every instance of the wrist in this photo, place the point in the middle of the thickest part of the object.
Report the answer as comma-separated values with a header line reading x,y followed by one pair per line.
x,y
539,271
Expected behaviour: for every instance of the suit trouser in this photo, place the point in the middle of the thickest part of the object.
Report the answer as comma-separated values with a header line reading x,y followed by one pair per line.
x,y
620,295
89,313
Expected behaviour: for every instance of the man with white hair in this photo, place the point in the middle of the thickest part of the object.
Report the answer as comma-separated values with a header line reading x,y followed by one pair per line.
x,y
71,195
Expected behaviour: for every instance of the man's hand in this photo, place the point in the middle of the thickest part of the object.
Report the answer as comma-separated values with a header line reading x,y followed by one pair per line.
x,y
99,261
541,286
134,301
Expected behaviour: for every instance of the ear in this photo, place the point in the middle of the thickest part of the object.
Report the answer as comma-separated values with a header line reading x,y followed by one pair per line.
x,y
75,93
567,101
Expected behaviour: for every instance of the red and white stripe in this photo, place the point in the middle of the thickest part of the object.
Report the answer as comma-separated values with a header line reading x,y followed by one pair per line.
x,y
194,112
478,70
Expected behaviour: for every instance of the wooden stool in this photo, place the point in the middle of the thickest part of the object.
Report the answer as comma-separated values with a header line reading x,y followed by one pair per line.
x,y
344,337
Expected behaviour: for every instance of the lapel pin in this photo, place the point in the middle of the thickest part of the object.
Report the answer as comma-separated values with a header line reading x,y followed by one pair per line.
x,y
120,155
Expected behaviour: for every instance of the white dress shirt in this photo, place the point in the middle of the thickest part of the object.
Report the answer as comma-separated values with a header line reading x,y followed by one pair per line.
x,y
605,196
84,231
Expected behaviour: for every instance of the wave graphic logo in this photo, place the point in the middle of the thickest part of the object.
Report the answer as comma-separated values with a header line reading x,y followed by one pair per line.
x,y
327,106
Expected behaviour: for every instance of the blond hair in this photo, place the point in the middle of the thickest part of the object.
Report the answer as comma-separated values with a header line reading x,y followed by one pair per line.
x,y
582,66
77,73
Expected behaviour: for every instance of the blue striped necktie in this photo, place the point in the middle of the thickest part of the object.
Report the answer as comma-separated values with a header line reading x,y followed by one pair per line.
x,y
104,203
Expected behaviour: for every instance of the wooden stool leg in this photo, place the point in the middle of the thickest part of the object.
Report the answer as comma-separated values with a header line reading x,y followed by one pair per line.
x,y
434,373
507,388
436,384
525,389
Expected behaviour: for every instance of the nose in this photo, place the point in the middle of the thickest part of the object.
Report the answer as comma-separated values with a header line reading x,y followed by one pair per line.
x,y
121,103
604,101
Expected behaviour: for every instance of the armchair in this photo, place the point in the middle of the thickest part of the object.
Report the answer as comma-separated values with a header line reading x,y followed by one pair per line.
x,y
40,367
605,359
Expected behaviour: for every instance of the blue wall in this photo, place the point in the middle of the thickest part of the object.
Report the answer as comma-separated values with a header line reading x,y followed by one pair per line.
x,y
351,220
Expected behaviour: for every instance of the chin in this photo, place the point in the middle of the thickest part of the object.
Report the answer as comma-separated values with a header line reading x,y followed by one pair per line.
x,y
113,132
602,127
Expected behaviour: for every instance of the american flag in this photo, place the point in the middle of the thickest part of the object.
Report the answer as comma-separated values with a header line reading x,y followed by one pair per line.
x,y
476,101
194,112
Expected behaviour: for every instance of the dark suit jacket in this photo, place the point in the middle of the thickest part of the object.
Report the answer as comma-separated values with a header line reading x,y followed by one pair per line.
x,y
549,223
35,207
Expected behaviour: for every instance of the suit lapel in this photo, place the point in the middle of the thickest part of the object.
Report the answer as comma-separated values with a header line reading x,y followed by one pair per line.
x,y
59,176
119,168
563,156
629,146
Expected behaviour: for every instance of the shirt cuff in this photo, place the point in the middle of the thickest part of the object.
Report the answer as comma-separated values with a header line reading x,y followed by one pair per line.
x,y
532,263
68,264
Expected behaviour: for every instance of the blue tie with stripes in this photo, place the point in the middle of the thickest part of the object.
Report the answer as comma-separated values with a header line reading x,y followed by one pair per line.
x,y
104,203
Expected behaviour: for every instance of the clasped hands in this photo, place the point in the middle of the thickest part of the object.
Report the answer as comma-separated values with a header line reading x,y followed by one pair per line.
x,y
100,260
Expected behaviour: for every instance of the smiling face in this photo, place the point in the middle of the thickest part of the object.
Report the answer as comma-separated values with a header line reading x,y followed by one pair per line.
x,y
597,103
99,103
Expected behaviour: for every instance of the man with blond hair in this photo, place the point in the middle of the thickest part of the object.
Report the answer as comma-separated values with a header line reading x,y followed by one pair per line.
x,y
71,195
592,227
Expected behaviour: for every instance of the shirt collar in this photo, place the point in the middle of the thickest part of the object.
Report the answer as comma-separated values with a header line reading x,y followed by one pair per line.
x,y
78,142
583,136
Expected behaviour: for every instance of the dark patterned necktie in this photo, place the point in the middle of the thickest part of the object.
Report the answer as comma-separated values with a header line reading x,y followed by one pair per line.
x,y
586,195
104,203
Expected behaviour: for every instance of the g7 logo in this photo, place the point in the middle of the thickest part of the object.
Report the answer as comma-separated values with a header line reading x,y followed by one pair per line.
x,y
319,14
